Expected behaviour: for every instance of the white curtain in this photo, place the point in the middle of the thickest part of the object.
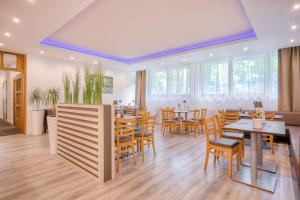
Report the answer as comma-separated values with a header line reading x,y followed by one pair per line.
x,y
230,83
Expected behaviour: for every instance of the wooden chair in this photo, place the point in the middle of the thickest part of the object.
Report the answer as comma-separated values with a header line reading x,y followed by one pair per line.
x,y
232,134
194,122
124,138
220,147
231,117
146,134
203,117
269,138
170,121
129,110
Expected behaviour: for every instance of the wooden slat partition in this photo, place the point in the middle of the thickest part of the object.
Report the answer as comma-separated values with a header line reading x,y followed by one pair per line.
x,y
85,138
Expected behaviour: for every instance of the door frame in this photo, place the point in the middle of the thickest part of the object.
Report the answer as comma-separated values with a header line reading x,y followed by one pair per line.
x,y
20,67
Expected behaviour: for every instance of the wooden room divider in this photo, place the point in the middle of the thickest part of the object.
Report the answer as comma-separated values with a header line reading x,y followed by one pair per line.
x,y
85,137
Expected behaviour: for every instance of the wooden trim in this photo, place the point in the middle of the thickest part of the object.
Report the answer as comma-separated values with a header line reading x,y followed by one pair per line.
x,y
20,67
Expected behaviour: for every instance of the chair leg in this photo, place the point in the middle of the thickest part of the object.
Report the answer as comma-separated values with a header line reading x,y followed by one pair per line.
x,y
230,164
118,163
133,153
153,146
206,158
272,144
143,149
238,157
195,131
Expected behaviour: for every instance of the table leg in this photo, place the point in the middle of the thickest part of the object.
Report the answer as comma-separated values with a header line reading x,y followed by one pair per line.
x,y
259,149
253,158
256,178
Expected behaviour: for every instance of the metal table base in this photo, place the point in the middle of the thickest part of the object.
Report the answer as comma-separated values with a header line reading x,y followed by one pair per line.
x,y
265,180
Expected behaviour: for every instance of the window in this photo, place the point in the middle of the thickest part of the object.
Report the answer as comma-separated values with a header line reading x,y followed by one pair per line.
x,y
157,83
227,82
215,78
248,76
180,81
274,74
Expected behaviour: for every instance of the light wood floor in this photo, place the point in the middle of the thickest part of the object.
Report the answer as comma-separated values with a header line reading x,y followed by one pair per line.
x,y
28,171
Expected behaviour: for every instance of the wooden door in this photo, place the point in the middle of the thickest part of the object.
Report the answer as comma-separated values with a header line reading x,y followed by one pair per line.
x,y
19,103
4,100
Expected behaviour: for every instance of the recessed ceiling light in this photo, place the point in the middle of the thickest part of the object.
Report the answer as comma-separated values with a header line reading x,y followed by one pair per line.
x,y
245,48
95,62
42,52
7,34
293,27
296,6
1,44
211,55
292,40
72,58
16,20
162,63
183,59
31,1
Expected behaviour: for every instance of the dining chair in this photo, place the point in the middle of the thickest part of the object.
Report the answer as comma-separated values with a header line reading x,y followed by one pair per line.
x,y
146,134
203,117
269,138
231,117
169,121
124,138
194,122
231,134
129,110
220,147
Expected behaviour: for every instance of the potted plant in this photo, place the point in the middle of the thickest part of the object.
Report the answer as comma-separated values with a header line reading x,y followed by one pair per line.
x,y
52,97
36,99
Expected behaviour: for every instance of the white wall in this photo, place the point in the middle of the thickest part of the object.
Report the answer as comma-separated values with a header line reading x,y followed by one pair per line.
x,y
45,72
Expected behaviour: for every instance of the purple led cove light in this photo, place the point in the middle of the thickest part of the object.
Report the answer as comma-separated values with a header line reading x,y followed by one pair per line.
x,y
246,35
82,50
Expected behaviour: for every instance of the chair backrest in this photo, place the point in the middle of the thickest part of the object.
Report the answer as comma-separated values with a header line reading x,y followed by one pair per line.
x,y
142,113
124,127
203,113
221,122
168,114
148,125
142,109
197,115
129,110
210,126
231,117
270,116
221,111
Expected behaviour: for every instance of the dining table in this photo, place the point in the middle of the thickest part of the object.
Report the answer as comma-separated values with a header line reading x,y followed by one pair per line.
x,y
260,174
247,115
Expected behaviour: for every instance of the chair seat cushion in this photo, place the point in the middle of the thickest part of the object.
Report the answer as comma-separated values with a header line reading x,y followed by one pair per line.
x,y
224,142
233,135
123,139
139,134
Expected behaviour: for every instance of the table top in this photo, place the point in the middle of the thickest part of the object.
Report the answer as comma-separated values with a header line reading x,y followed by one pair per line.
x,y
182,111
248,115
270,127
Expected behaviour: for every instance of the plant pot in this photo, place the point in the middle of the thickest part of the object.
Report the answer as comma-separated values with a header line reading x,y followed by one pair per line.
x,y
52,122
258,123
37,117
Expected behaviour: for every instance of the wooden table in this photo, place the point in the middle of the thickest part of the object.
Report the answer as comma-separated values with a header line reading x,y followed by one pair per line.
x,y
263,179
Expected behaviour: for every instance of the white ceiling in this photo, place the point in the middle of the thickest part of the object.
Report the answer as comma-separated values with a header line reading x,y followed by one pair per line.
x,y
137,27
